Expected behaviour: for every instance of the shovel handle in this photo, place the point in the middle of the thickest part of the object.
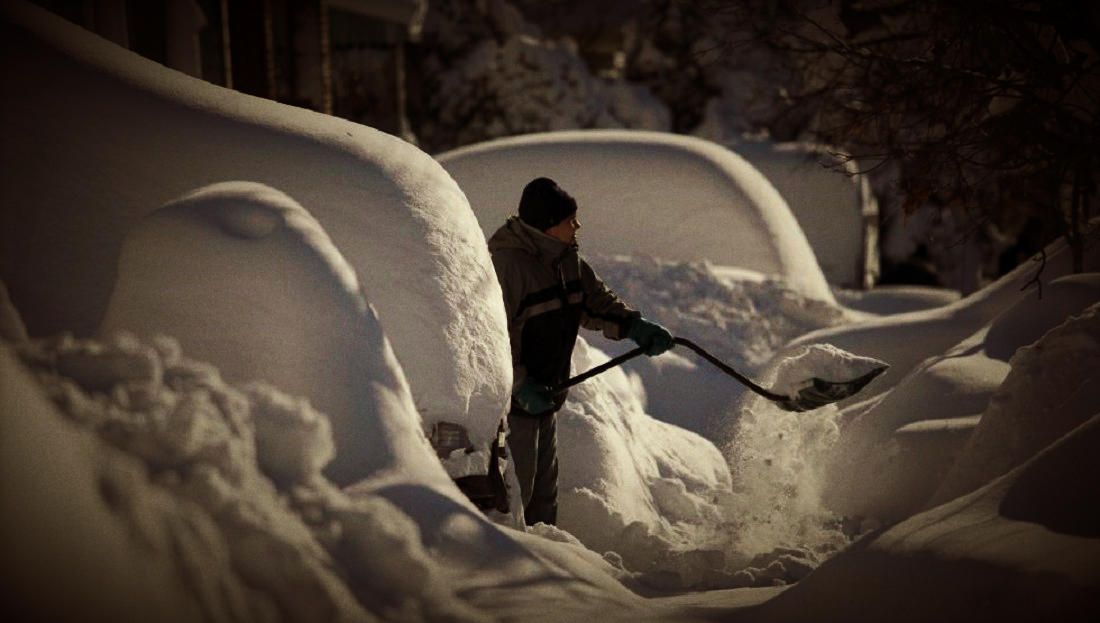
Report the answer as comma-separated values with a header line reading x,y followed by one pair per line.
x,y
721,365
600,369
627,356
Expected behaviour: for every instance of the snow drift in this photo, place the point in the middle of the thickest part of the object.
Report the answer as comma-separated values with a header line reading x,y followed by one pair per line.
x,y
881,457
76,173
895,451
172,492
905,340
648,491
1022,548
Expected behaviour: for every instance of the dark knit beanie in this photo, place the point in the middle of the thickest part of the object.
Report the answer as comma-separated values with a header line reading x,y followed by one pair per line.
x,y
544,204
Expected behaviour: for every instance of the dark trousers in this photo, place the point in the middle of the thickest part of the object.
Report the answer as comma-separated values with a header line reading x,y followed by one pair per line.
x,y
533,442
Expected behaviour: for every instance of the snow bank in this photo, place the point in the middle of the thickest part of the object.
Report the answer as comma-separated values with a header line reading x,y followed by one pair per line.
x,y
872,472
740,318
905,340
58,531
645,193
833,204
195,474
629,484
171,488
1054,386
889,461
76,173
1022,548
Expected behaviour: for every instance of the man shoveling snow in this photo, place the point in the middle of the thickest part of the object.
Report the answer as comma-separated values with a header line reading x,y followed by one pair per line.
x,y
549,293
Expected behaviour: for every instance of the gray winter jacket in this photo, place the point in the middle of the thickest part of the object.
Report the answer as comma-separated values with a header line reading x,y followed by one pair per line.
x,y
549,293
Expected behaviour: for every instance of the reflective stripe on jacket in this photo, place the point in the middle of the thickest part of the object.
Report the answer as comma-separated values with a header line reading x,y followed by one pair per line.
x,y
549,293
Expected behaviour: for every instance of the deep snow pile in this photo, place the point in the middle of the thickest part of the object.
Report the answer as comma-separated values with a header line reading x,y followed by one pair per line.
x,y
879,456
657,500
1025,541
1052,387
644,489
901,436
221,484
169,489
741,317
905,340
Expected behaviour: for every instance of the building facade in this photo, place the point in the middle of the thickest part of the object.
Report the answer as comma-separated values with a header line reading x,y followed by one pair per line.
x,y
339,57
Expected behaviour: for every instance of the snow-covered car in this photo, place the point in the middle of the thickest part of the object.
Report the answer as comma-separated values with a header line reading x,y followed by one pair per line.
x,y
648,194
402,226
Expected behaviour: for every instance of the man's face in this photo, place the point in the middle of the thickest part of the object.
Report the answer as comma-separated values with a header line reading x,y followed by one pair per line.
x,y
566,230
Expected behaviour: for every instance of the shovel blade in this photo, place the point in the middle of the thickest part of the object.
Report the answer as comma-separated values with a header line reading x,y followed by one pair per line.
x,y
822,392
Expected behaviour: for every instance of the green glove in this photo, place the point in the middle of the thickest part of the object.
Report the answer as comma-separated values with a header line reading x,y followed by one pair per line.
x,y
533,397
651,336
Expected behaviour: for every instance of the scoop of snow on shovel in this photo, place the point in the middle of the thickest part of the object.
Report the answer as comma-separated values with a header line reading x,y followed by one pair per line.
x,y
796,374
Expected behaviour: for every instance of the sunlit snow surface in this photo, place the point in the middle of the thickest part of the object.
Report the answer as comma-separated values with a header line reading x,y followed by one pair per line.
x,y
139,482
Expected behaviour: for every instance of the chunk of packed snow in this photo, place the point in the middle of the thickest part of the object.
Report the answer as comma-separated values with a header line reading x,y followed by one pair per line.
x,y
645,193
75,176
293,440
823,361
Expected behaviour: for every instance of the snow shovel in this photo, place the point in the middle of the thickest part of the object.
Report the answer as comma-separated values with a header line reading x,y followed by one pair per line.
x,y
817,394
